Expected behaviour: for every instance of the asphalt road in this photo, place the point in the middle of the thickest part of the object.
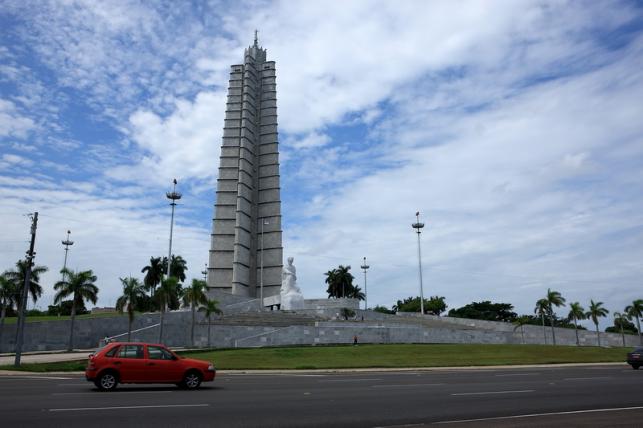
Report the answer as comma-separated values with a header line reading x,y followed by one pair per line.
x,y
596,396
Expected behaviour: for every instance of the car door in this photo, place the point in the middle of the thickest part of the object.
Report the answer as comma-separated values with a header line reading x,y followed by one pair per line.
x,y
162,366
130,363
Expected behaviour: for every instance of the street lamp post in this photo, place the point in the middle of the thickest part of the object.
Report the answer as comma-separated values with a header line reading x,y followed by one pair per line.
x,y
173,196
418,228
263,222
365,267
205,273
67,243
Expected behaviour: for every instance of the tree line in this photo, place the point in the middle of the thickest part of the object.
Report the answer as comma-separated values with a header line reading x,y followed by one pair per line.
x,y
157,292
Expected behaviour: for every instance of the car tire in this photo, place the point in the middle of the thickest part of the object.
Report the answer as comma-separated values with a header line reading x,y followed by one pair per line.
x,y
107,381
191,380
635,366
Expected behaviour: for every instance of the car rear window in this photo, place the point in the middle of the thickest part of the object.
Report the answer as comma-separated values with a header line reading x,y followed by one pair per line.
x,y
130,351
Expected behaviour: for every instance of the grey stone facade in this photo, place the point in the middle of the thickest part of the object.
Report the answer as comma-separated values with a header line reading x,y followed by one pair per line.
x,y
246,228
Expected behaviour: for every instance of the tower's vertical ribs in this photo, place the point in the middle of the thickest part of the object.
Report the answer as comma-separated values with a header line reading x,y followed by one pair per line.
x,y
248,186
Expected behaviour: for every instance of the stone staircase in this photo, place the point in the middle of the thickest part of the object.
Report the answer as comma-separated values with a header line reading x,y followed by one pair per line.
x,y
268,319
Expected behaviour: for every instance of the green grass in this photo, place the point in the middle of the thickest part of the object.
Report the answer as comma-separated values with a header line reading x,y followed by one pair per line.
x,y
63,366
13,320
383,356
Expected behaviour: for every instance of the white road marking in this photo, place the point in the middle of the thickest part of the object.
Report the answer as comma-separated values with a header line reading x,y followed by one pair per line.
x,y
522,391
587,378
36,377
349,380
81,409
518,374
533,415
103,395
406,385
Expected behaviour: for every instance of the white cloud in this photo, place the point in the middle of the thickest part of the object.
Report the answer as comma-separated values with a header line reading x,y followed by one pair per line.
x,y
12,122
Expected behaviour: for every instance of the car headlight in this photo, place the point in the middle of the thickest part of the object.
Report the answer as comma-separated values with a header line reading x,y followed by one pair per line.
x,y
211,368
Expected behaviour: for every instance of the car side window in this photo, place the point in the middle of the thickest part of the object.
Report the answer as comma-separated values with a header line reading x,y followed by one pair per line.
x,y
157,353
130,351
112,351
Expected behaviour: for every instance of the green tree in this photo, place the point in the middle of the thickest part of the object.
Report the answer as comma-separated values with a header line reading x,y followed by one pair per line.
x,y
165,292
576,313
153,274
178,267
133,293
635,310
17,276
542,308
554,298
519,323
210,308
193,296
7,300
80,286
619,320
596,311
383,310
340,284
346,313
485,310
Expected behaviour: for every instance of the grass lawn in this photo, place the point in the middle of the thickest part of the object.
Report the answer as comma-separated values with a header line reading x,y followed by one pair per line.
x,y
384,356
13,320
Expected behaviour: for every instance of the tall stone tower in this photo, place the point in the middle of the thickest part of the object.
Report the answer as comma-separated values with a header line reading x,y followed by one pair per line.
x,y
245,247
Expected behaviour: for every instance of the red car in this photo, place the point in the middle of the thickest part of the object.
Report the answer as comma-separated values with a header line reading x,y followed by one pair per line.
x,y
145,363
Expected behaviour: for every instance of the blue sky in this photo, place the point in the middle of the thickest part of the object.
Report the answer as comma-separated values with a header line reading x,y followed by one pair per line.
x,y
513,127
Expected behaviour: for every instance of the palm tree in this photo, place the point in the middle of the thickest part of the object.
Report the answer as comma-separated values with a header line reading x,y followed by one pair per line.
x,y
635,310
7,299
595,312
344,279
165,292
17,276
133,292
153,274
79,285
576,312
210,308
542,308
619,320
519,323
195,295
178,267
356,293
553,299
331,280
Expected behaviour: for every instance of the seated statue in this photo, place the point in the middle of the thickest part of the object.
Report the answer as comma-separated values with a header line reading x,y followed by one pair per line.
x,y
291,297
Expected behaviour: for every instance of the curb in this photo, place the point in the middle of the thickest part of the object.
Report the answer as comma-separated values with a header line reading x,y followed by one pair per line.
x,y
348,370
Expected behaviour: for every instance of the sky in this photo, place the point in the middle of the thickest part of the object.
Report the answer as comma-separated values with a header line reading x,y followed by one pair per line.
x,y
514,128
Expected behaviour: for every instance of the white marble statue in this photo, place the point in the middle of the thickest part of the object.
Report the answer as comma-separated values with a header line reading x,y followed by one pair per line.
x,y
291,297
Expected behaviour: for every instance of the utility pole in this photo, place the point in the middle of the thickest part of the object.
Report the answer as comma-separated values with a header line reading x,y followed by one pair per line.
x,y
67,242
25,290
365,267
418,228
173,196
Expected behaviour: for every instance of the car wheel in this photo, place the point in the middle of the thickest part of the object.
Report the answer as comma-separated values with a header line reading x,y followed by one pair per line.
x,y
635,366
192,380
107,381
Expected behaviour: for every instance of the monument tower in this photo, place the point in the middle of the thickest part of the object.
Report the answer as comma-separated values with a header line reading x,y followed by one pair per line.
x,y
245,245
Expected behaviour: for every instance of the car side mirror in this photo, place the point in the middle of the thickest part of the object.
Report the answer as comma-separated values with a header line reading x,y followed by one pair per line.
x,y
174,358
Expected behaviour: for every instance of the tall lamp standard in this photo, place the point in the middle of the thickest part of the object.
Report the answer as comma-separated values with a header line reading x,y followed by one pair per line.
x,y
173,196
205,273
264,222
365,267
418,228
67,243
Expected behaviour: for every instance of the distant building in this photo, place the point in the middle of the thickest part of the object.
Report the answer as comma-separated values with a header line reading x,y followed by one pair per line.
x,y
248,200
